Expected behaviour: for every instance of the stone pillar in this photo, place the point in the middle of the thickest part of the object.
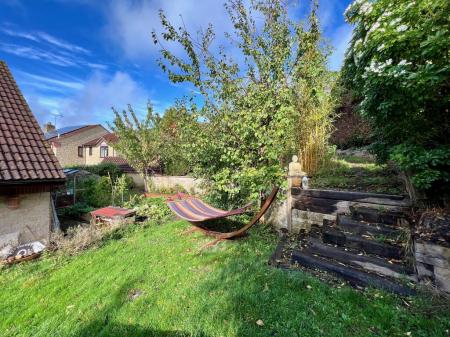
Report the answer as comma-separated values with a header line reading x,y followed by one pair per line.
x,y
295,175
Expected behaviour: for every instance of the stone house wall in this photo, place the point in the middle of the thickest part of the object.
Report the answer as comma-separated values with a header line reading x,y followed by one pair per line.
x,y
67,149
94,158
30,222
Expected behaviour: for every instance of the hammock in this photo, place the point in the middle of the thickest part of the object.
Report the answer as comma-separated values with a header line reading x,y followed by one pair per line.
x,y
196,211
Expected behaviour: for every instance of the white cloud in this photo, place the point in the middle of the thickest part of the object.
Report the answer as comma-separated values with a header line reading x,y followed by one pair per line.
x,y
61,43
48,83
38,54
340,41
100,93
38,36
84,102
130,23
47,48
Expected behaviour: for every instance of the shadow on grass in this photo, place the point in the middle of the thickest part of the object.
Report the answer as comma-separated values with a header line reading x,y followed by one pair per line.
x,y
226,224
107,324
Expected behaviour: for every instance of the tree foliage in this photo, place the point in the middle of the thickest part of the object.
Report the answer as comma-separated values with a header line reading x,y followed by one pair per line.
x,y
398,64
139,141
250,110
172,157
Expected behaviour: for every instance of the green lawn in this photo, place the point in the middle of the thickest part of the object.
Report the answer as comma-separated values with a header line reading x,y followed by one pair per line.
x,y
222,291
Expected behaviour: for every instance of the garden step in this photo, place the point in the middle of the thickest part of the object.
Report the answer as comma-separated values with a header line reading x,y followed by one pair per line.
x,y
353,275
387,215
353,226
370,263
336,237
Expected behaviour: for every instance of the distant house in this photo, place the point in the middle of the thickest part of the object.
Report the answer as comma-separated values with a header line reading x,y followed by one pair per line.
x,y
68,143
29,171
97,150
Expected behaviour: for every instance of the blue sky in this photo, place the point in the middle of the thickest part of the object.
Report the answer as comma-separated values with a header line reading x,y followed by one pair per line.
x,y
78,58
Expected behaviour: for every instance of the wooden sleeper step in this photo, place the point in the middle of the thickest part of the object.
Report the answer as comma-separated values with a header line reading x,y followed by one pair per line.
x,y
369,214
350,274
370,263
353,226
335,237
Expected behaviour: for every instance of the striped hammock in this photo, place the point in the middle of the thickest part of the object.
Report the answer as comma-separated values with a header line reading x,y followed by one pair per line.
x,y
194,209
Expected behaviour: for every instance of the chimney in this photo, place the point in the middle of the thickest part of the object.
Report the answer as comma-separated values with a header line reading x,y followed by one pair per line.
x,y
48,127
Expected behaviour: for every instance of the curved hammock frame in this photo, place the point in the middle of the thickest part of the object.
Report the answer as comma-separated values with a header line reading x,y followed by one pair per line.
x,y
197,211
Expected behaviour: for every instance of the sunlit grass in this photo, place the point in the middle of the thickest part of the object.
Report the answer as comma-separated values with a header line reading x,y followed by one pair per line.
x,y
154,281
358,174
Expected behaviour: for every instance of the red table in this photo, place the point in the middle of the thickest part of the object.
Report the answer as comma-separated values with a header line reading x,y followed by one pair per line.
x,y
112,213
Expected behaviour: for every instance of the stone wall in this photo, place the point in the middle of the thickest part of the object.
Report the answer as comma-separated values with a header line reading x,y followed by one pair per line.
x,y
30,222
311,207
190,184
67,149
433,263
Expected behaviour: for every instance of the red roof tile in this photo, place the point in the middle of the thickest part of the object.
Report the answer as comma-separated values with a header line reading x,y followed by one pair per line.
x,y
109,138
24,155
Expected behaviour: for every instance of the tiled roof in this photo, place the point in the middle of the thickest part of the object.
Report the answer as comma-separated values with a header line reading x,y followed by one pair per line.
x,y
69,131
121,163
109,138
24,154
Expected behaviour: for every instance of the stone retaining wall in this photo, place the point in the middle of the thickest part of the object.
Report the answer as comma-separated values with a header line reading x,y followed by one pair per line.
x,y
433,263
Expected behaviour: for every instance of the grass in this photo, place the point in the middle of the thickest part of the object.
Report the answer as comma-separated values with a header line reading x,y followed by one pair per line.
x,y
153,281
358,174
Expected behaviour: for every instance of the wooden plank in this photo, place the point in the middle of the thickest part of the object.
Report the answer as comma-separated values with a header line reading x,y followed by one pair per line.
x,y
348,224
368,246
318,205
346,195
370,263
350,274
388,216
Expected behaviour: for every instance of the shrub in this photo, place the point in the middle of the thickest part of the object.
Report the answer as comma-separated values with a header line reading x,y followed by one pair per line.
x,y
398,65
154,209
75,211
102,169
94,192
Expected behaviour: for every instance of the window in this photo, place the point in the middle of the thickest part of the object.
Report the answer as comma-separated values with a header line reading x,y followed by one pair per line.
x,y
90,150
80,151
103,151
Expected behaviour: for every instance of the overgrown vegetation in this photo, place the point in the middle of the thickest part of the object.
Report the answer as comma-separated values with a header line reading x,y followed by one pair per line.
x,y
253,104
154,209
102,169
355,173
103,191
398,65
152,281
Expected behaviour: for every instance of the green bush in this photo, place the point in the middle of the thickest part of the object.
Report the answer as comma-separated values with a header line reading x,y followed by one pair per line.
x,y
398,66
75,211
102,169
94,192
155,209
430,166
97,192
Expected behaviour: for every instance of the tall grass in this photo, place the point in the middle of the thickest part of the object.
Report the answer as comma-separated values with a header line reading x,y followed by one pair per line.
x,y
316,114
